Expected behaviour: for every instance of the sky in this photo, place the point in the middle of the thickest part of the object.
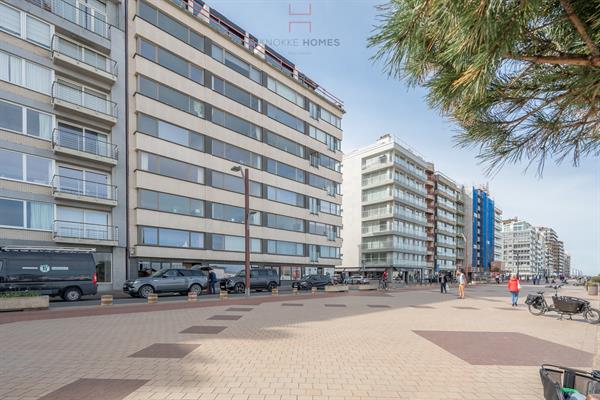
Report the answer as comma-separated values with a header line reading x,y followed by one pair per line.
x,y
327,40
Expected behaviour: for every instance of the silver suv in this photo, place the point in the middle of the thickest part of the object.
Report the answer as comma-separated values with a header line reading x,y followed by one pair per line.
x,y
178,280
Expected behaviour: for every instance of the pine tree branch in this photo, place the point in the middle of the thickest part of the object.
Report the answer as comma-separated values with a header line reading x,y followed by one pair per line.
x,y
558,60
581,28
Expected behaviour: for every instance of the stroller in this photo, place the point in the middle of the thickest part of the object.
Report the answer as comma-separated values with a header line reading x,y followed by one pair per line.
x,y
561,383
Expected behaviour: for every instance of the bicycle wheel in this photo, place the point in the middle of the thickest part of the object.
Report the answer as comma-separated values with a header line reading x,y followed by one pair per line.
x,y
536,309
592,315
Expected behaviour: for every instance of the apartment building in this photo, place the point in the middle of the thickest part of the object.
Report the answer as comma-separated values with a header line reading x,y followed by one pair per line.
x,y
449,236
208,102
389,210
553,250
498,239
567,264
483,221
523,248
62,129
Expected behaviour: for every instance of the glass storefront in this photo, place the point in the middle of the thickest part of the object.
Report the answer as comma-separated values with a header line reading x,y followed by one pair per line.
x,y
103,267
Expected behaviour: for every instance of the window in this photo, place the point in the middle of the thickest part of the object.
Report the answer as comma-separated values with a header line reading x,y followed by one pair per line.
x,y
172,133
285,248
84,54
329,252
171,26
330,208
25,73
332,143
329,163
170,203
285,92
284,144
11,117
229,213
26,214
313,110
235,123
328,185
235,154
149,235
171,237
284,222
38,124
235,63
171,168
234,243
170,61
103,266
285,196
234,183
235,93
25,167
285,118
330,118
12,21
286,171
171,97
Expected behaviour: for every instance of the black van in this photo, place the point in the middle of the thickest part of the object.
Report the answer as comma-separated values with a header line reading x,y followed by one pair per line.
x,y
66,274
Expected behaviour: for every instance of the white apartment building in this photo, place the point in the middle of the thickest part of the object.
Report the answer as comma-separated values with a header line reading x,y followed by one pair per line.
x,y
498,238
522,247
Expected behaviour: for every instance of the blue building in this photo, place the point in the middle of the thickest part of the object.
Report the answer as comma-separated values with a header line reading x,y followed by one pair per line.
x,y
483,231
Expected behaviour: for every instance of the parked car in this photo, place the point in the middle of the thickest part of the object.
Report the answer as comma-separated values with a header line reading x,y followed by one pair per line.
x,y
357,280
172,280
310,281
69,275
260,279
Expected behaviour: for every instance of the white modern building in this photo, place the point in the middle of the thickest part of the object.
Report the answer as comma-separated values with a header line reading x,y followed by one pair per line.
x,y
523,248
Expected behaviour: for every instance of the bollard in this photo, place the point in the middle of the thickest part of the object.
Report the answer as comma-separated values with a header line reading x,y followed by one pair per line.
x,y
313,291
192,296
152,298
223,295
294,290
274,291
106,300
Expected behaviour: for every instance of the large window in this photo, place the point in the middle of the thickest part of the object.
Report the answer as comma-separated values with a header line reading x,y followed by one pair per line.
x,y
329,207
284,222
19,71
329,252
171,168
235,63
172,133
285,118
332,143
285,248
235,123
84,54
25,167
284,144
234,243
285,92
171,97
170,237
235,154
285,196
287,171
233,183
103,266
26,214
25,26
328,185
229,213
332,119
170,61
170,203
235,93
171,26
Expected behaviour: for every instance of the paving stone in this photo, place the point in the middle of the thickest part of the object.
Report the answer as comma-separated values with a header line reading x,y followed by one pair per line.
x,y
243,309
204,329
335,305
292,304
100,389
225,317
165,350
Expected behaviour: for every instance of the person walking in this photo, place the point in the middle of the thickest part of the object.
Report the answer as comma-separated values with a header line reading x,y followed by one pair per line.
x,y
514,287
461,284
212,280
384,278
443,280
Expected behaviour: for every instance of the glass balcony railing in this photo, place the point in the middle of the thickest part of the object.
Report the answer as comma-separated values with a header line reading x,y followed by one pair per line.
x,y
84,143
81,187
84,231
79,96
85,55
78,13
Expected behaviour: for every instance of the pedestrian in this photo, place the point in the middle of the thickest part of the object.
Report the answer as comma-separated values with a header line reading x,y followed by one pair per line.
x,y
443,282
514,286
212,280
497,279
384,278
461,284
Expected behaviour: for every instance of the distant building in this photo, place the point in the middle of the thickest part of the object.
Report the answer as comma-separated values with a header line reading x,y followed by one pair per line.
x,y
523,248
484,232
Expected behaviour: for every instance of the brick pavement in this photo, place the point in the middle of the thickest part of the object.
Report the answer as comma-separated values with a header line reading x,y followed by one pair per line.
x,y
275,352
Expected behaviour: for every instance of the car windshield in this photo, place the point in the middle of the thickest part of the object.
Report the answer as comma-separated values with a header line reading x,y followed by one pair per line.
x,y
159,273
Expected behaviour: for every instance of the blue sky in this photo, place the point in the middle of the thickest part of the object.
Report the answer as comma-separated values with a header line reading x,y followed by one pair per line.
x,y
565,198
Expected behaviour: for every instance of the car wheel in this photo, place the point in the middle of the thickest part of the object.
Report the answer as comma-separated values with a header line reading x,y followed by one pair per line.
x,y
240,288
145,290
309,286
271,286
195,288
72,294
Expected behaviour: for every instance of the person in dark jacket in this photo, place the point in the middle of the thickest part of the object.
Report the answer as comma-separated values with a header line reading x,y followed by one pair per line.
x,y
443,280
212,281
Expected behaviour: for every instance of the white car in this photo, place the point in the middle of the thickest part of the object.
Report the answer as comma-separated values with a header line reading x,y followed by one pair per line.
x,y
358,280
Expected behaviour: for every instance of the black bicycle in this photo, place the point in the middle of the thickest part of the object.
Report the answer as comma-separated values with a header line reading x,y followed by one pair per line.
x,y
563,305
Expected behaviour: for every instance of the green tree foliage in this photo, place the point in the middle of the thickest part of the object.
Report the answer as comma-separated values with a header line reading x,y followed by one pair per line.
x,y
520,77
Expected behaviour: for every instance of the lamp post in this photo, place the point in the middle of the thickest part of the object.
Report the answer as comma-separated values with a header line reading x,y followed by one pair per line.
x,y
246,176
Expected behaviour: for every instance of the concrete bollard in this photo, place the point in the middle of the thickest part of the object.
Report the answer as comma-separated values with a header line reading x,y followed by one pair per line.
x,y
313,291
192,296
106,300
275,292
152,298
223,295
294,290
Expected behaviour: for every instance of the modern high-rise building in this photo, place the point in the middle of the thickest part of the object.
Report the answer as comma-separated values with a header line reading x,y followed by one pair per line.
x,y
553,250
62,129
484,231
448,233
498,239
523,248
208,102
389,211
567,265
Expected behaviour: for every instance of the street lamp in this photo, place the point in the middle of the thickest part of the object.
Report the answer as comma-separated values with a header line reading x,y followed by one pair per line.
x,y
246,176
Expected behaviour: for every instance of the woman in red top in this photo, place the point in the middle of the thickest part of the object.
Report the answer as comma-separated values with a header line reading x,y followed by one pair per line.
x,y
514,287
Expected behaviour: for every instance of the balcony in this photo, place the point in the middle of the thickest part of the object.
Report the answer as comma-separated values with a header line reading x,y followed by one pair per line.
x,y
79,14
82,146
85,233
64,187
84,60
73,98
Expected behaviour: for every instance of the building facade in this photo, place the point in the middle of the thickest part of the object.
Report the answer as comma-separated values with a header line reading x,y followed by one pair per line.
x,y
389,212
449,229
230,104
483,227
523,248
553,251
62,129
